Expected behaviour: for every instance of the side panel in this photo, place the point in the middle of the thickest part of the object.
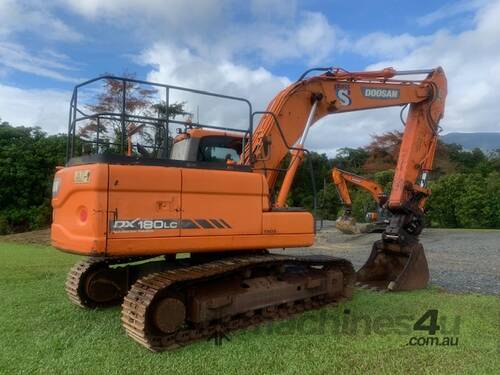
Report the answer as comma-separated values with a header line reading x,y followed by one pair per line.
x,y
142,214
79,209
144,201
221,203
288,223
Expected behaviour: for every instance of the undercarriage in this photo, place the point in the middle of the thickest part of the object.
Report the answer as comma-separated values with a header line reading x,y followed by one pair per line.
x,y
171,303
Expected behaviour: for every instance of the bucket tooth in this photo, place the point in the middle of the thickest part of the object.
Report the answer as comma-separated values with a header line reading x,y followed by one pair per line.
x,y
395,267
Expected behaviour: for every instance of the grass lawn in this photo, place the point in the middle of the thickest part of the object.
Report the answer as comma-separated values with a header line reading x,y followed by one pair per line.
x,y
40,332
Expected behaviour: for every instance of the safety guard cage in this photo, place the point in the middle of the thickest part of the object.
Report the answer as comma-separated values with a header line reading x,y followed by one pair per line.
x,y
123,117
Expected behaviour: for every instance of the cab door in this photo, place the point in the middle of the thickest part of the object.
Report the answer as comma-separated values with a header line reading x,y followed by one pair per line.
x,y
144,201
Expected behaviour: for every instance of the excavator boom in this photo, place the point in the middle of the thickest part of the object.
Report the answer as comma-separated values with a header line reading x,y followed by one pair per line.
x,y
339,91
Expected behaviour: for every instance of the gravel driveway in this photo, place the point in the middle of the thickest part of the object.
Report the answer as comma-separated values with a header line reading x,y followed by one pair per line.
x,y
460,260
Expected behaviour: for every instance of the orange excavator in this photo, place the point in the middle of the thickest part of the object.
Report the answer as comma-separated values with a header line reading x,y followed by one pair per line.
x,y
346,223
213,195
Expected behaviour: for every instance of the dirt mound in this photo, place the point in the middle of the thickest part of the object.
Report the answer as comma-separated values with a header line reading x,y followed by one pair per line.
x,y
37,237
347,225
350,226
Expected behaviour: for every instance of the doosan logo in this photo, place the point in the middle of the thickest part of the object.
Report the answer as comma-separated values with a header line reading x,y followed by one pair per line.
x,y
343,93
373,92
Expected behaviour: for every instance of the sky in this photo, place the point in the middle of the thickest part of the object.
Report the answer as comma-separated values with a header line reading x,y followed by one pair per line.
x,y
251,49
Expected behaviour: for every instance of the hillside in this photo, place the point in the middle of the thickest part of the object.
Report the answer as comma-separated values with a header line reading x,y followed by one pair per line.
x,y
483,140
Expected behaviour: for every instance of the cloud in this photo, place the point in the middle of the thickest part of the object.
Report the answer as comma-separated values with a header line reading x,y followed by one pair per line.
x,y
33,17
268,31
28,107
274,9
172,9
147,17
450,10
46,64
351,129
471,60
386,46
310,37
182,67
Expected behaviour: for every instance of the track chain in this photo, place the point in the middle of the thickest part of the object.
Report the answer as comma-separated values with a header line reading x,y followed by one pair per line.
x,y
81,269
139,299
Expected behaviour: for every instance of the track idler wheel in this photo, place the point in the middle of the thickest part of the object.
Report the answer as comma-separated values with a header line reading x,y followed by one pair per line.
x,y
395,267
92,284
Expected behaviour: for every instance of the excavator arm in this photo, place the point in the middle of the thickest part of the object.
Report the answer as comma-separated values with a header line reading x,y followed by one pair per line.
x,y
290,115
340,179
346,223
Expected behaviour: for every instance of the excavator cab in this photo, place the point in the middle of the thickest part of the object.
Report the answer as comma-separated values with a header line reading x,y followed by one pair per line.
x,y
206,145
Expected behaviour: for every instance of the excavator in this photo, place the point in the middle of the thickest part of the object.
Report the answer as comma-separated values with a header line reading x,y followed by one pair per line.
x,y
182,235
346,223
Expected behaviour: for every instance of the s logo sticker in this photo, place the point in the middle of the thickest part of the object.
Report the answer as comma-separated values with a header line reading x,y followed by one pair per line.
x,y
343,93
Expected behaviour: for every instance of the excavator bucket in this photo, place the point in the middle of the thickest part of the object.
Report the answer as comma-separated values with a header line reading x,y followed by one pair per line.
x,y
347,225
395,267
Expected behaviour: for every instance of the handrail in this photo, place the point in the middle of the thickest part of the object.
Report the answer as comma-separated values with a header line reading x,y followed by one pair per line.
x,y
123,116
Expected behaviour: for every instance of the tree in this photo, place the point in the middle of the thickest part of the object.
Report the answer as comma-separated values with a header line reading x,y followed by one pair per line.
x,y
28,158
465,201
383,152
493,192
443,203
476,206
174,110
443,161
302,191
329,203
384,179
351,159
140,100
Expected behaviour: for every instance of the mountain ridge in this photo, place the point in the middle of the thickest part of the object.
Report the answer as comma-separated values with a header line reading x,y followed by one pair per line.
x,y
486,141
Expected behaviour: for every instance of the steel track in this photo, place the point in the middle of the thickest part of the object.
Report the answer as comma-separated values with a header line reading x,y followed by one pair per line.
x,y
142,295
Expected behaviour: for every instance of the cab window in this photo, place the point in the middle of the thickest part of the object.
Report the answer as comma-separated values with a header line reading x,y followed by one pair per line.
x,y
219,149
